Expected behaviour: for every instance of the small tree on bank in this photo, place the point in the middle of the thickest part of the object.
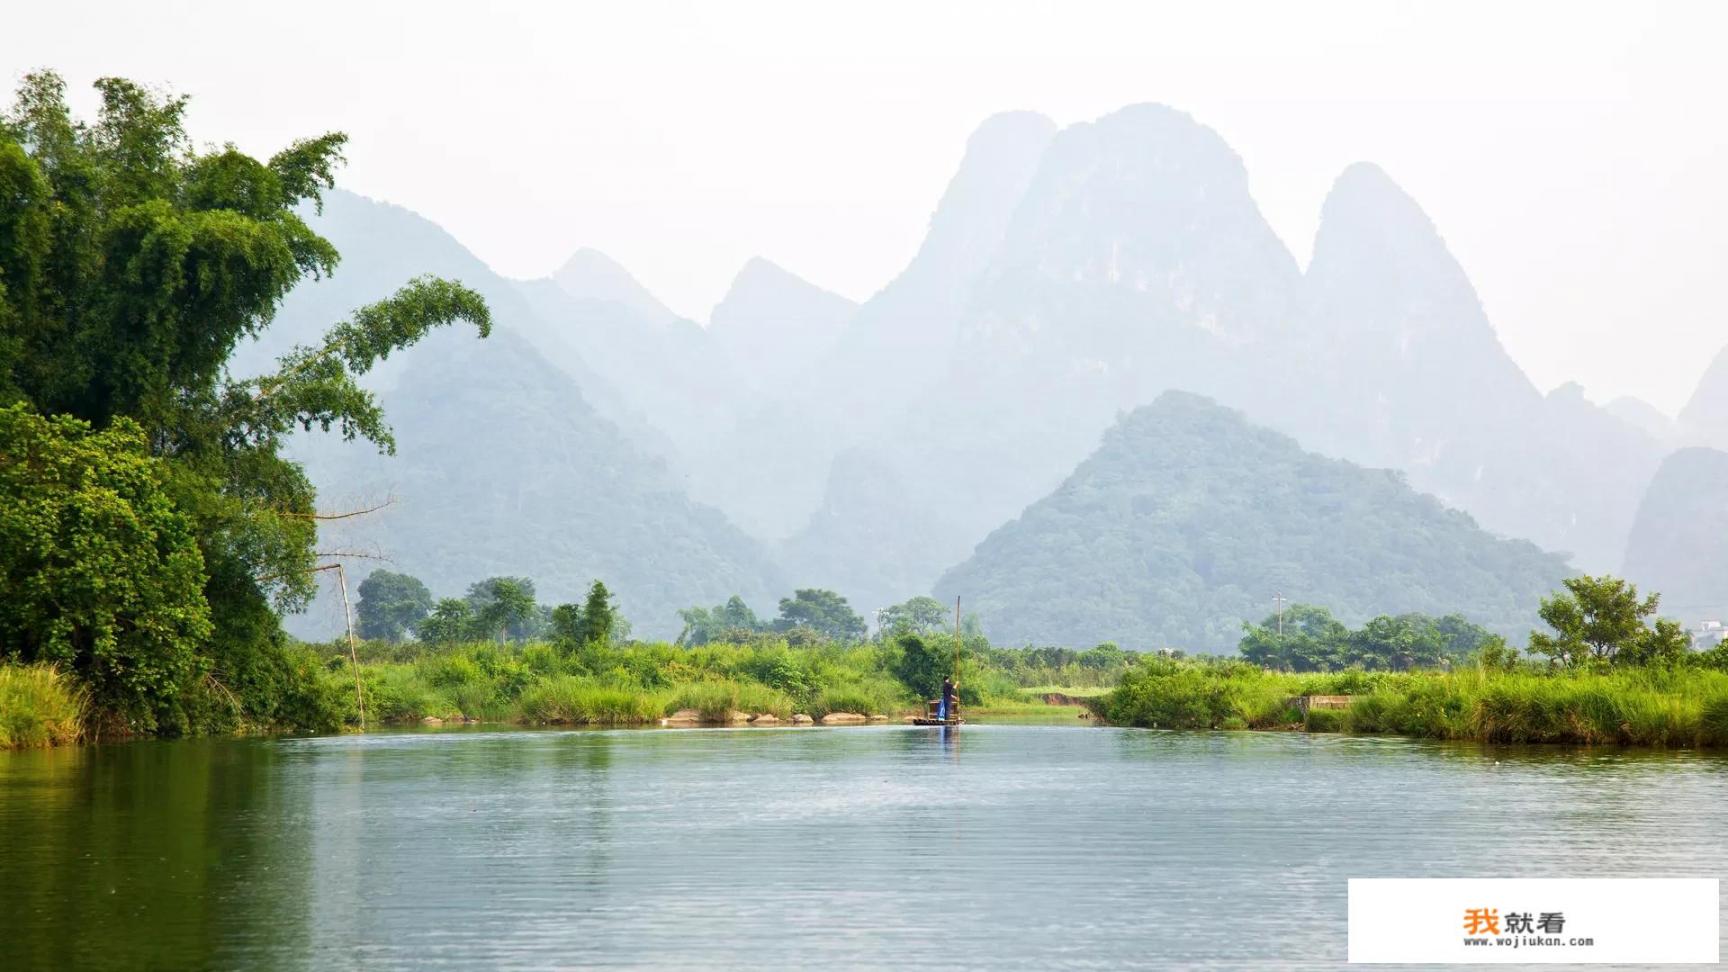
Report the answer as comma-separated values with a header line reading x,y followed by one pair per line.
x,y
1601,621
595,621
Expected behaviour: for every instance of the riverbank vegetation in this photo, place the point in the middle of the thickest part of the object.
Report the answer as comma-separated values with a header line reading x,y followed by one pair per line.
x,y
39,707
562,681
1607,672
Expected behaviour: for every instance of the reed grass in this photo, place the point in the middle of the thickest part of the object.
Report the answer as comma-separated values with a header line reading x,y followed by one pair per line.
x,y
576,701
39,706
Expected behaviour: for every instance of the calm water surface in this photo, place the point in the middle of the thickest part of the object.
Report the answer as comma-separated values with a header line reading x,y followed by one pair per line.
x,y
994,847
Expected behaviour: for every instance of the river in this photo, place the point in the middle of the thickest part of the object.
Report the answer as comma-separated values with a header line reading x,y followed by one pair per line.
x,y
990,847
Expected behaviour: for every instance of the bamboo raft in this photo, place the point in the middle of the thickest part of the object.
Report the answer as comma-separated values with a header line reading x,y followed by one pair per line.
x,y
932,718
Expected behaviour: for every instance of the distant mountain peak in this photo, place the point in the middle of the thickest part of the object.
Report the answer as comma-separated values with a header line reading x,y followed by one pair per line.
x,y
1365,206
1001,156
1706,415
761,277
766,301
775,324
592,275
1640,414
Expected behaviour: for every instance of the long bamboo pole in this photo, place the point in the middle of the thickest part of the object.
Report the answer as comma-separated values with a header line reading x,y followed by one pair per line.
x,y
353,656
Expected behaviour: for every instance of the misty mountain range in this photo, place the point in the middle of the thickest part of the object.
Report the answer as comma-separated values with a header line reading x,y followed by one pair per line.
x,y
1068,278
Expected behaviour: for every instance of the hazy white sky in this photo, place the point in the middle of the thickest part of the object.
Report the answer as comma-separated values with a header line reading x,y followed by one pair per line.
x,y
1573,155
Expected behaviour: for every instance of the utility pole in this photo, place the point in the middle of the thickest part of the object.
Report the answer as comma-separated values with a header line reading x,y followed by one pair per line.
x,y
1279,600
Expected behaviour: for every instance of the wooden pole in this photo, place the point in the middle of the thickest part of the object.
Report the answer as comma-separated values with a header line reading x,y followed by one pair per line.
x,y
353,657
956,650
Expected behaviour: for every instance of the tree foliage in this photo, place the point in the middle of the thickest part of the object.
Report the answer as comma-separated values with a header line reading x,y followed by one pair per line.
x,y
921,663
1312,640
451,620
733,622
390,605
1601,621
822,611
920,615
504,608
101,573
131,264
596,621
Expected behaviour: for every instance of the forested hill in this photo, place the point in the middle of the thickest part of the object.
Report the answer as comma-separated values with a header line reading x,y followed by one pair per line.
x,y
1188,520
504,465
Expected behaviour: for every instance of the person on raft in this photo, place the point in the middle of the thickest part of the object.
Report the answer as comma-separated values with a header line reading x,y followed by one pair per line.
x,y
950,694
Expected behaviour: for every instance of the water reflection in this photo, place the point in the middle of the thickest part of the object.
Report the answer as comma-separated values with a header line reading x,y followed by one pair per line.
x,y
1042,846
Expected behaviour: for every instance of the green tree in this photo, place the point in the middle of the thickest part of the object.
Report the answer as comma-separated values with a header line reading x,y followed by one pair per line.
x,y
920,615
1495,655
1599,621
1105,657
101,573
822,611
130,266
599,616
920,664
390,605
503,608
1309,640
451,620
733,621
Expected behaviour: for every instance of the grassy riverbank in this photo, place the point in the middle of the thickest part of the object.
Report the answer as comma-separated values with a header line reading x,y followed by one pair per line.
x,y
39,707
1664,707
544,683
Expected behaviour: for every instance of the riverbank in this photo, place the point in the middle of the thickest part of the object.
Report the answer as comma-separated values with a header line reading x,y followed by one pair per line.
x,y
1654,707
760,683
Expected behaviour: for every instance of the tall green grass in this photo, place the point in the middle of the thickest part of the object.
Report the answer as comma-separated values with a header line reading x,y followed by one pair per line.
x,y
1640,707
639,683
717,700
574,701
39,707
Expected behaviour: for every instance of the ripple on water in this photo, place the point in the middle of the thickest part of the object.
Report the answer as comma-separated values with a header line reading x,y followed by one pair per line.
x,y
992,847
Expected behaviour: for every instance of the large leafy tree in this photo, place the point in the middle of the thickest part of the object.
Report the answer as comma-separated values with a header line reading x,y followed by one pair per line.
x,y
101,573
390,605
1306,639
130,266
1599,621
920,615
822,611
504,608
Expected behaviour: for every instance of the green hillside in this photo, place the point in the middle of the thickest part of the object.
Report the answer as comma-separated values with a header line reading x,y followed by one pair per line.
x,y
1188,520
